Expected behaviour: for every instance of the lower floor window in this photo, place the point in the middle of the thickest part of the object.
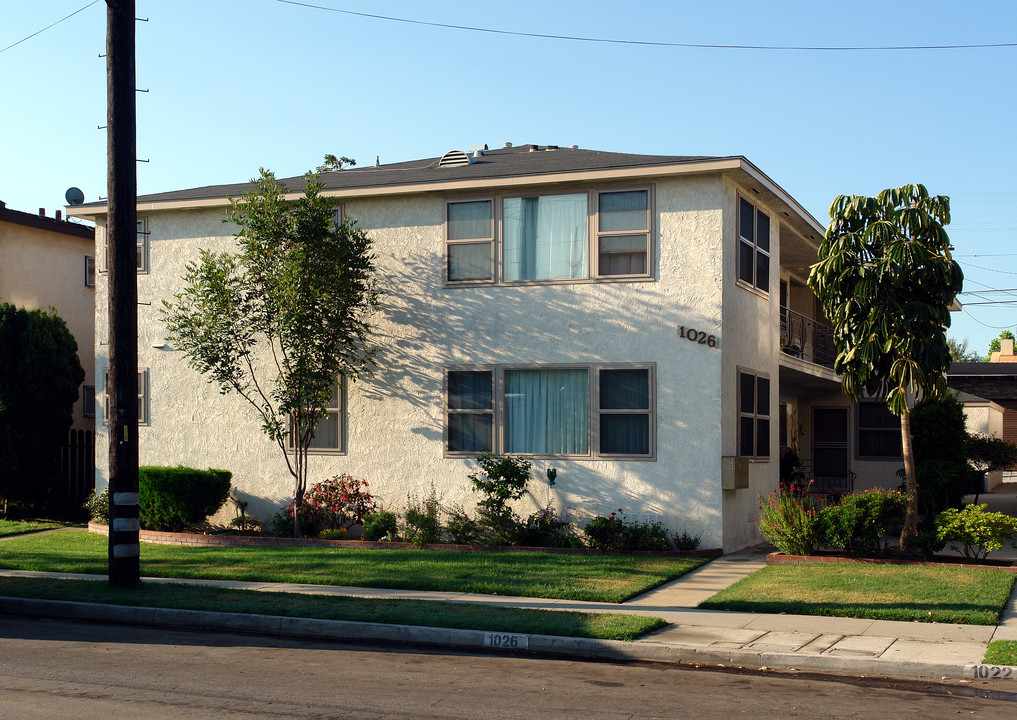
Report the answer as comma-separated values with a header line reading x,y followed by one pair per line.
x,y
753,415
601,411
330,433
878,431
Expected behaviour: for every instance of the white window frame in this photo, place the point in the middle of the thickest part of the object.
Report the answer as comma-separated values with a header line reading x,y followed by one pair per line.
x,y
594,410
593,238
90,271
88,401
142,252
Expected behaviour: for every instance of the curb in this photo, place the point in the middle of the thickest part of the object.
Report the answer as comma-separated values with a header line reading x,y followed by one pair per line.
x,y
479,640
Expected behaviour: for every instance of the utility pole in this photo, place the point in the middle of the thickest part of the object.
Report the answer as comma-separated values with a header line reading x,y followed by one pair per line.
x,y
121,240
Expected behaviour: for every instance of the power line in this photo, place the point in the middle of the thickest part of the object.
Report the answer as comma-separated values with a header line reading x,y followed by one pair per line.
x,y
49,26
577,38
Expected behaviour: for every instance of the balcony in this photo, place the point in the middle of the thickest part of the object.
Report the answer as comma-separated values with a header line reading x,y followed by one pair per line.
x,y
805,338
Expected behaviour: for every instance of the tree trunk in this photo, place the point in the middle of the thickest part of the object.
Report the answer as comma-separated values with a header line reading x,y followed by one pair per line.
x,y
909,533
298,493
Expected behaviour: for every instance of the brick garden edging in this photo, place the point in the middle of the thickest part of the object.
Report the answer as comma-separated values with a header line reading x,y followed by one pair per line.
x,y
199,540
779,558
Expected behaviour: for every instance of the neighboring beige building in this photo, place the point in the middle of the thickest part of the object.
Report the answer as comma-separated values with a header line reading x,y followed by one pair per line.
x,y
48,262
639,322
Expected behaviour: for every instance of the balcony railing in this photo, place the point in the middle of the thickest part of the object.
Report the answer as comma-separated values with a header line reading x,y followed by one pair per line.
x,y
803,337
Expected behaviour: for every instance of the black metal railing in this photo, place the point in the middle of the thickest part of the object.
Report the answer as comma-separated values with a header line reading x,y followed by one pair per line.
x,y
806,338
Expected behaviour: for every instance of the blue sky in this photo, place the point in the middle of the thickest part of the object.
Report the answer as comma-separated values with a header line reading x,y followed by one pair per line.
x,y
239,84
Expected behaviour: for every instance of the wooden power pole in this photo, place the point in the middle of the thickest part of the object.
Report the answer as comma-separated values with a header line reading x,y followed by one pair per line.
x,y
121,239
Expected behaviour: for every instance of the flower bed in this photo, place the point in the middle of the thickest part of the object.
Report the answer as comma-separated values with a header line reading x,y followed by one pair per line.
x,y
202,540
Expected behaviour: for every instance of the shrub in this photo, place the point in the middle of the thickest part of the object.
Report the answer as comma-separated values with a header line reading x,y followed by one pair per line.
x,y
97,506
339,502
789,521
545,528
497,527
612,535
380,524
423,522
605,533
310,521
246,524
861,522
941,454
686,541
505,478
461,528
176,498
979,531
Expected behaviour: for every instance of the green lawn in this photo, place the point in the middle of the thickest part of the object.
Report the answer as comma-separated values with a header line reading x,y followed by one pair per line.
x,y
16,527
401,612
605,578
970,596
1001,652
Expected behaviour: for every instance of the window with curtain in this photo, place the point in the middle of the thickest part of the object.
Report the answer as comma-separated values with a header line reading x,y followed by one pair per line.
x,y
544,238
753,245
547,412
878,431
551,411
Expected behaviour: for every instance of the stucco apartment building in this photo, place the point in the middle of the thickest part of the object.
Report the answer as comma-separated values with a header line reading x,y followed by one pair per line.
x,y
49,262
641,323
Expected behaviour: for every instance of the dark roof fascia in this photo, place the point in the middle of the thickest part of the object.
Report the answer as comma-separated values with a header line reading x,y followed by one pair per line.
x,y
40,222
981,369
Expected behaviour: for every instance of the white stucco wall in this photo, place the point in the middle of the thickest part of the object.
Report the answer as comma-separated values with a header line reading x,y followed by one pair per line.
x,y
751,342
395,418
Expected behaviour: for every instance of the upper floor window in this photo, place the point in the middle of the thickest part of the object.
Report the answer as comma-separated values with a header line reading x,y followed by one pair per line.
x,y
141,243
590,411
143,397
753,245
562,237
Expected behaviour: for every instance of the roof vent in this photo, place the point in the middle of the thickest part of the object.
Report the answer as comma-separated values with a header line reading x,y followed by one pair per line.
x,y
454,158
573,147
506,145
474,149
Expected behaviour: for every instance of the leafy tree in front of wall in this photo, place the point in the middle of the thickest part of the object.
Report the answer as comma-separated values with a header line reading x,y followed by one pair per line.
x,y
39,378
283,318
996,345
886,280
941,444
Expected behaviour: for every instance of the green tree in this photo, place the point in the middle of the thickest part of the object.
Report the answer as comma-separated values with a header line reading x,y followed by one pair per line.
x,y
283,319
996,345
886,280
959,351
39,378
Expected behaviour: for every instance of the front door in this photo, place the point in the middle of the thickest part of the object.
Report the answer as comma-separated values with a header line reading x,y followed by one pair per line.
x,y
830,449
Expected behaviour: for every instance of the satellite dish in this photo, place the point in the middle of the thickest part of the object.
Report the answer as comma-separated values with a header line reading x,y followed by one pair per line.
x,y
74,196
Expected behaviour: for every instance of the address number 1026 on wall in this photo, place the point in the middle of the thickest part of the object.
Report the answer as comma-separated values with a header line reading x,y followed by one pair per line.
x,y
698,336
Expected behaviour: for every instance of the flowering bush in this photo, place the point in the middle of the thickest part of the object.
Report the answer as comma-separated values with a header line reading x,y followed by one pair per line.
x,y
97,505
310,521
789,521
545,528
339,502
461,528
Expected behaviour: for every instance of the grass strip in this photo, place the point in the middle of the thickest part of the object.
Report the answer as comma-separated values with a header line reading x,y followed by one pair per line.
x,y
17,527
429,613
971,596
602,578
1001,652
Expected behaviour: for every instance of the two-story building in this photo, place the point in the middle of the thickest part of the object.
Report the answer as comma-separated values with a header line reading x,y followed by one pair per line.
x,y
641,323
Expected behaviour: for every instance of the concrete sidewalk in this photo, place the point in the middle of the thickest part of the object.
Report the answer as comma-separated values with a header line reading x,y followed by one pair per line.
x,y
777,642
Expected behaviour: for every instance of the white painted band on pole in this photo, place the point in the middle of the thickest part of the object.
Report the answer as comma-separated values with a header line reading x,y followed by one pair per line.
x,y
122,498
127,550
127,524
